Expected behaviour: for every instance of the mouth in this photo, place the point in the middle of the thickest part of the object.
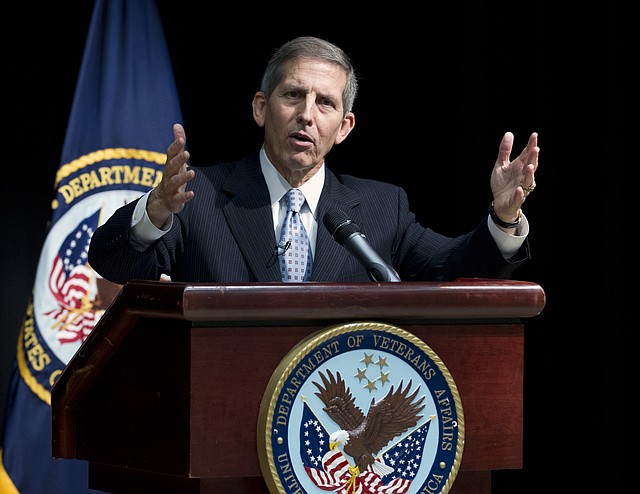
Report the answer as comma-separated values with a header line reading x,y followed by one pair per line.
x,y
301,138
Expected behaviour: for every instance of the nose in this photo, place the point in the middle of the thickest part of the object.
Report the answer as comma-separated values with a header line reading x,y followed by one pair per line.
x,y
307,107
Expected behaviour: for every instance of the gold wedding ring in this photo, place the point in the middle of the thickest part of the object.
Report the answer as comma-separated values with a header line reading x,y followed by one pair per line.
x,y
529,188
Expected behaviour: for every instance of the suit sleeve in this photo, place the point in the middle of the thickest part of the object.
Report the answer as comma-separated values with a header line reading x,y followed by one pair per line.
x,y
421,254
113,257
435,257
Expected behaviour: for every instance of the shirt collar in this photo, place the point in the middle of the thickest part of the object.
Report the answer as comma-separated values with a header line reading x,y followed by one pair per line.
x,y
278,186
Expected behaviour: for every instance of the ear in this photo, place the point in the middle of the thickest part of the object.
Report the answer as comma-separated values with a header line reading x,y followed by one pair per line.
x,y
348,122
259,105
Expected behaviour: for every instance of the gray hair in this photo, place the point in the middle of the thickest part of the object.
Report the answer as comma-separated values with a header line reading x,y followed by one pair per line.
x,y
315,48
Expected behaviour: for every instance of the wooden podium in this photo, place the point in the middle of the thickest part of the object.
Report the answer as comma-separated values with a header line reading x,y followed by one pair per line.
x,y
164,394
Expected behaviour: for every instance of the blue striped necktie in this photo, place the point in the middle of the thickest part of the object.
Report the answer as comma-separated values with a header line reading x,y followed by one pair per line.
x,y
295,262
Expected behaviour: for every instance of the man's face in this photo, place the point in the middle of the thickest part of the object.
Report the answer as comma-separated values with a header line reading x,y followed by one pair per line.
x,y
303,118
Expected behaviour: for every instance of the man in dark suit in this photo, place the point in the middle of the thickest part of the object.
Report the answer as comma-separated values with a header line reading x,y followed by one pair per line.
x,y
223,223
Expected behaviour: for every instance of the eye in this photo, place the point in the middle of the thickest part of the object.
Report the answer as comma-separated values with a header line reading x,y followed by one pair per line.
x,y
293,94
326,102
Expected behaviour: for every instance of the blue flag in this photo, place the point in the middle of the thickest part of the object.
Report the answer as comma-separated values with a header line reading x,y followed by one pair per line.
x,y
119,128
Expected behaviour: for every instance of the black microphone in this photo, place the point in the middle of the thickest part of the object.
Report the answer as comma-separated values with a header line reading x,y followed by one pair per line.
x,y
348,234
279,250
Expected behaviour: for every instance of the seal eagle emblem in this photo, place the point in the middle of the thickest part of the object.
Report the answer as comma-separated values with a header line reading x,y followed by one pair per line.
x,y
360,436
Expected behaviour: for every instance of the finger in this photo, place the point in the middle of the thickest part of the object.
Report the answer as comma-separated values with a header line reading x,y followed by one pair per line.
x,y
177,158
178,132
529,155
534,159
177,194
529,177
179,180
528,183
506,145
179,143
175,148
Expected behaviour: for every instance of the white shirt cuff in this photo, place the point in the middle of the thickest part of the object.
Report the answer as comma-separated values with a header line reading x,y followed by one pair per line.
x,y
507,243
143,232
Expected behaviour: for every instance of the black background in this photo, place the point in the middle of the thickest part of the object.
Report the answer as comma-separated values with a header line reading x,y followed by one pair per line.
x,y
439,87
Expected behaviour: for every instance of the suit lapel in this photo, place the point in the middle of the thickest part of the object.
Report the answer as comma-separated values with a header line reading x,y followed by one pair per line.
x,y
248,214
330,255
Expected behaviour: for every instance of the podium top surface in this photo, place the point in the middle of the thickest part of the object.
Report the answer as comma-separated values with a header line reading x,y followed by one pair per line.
x,y
469,298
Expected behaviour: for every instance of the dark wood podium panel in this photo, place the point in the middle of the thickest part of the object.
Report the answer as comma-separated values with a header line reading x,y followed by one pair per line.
x,y
166,390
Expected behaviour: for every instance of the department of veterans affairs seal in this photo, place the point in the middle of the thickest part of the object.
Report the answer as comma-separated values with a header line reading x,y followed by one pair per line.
x,y
360,408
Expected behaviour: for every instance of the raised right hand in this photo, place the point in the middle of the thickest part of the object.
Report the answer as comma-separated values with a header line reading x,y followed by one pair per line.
x,y
170,195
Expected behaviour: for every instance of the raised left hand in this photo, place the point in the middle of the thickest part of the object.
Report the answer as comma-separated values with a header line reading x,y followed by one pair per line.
x,y
513,181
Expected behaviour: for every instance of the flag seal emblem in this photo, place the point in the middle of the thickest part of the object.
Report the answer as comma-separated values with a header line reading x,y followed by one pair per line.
x,y
360,408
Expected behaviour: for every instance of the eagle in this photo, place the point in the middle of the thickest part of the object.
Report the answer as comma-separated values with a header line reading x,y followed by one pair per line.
x,y
360,436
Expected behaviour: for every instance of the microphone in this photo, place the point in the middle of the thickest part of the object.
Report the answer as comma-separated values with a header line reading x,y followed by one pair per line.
x,y
348,234
281,249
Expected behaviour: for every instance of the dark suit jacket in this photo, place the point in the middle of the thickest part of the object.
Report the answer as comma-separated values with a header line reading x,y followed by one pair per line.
x,y
225,235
